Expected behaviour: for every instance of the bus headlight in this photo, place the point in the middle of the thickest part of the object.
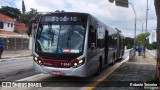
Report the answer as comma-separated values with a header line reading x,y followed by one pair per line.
x,y
75,64
78,63
35,58
39,62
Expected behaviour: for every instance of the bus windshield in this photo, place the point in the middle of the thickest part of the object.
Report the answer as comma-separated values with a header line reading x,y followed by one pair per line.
x,y
53,38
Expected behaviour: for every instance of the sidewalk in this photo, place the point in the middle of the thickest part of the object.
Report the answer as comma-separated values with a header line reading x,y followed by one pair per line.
x,y
138,69
15,54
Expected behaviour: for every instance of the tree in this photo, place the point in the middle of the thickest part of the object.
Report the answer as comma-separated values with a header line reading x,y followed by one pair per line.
x,y
129,42
11,12
23,7
129,46
150,46
154,45
157,8
25,18
140,39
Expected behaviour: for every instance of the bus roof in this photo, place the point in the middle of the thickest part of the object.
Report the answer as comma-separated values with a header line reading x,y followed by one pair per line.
x,y
80,14
66,13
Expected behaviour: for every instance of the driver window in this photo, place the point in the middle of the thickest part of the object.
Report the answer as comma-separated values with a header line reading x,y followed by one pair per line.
x,y
92,37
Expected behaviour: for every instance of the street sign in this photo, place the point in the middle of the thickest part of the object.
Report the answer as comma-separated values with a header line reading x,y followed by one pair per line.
x,y
122,3
111,1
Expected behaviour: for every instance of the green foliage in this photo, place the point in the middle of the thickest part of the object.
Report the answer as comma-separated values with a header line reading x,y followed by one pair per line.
x,y
141,38
152,46
149,46
138,43
128,41
15,13
11,12
129,46
25,18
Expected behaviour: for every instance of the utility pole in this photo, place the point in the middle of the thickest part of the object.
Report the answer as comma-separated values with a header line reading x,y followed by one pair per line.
x,y
134,27
145,44
142,24
142,28
146,15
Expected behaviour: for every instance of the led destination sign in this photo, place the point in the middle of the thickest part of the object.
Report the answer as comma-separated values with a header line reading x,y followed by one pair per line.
x,y
56,18
63,19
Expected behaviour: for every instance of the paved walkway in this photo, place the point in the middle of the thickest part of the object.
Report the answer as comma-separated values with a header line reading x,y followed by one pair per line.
x,y
15,54
139,69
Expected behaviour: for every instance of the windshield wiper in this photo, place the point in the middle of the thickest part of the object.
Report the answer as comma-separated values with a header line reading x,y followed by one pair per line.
x,y
70,34
51,32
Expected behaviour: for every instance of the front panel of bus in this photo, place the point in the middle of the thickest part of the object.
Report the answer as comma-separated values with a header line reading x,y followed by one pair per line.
x,y
60,41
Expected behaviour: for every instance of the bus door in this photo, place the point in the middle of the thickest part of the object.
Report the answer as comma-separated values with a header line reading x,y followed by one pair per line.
x,y
106,47
92,43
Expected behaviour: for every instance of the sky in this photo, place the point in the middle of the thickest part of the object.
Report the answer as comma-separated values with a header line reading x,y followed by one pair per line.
x,y
114,16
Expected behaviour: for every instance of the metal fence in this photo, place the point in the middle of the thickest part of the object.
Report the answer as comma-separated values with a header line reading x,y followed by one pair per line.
x,y
15,43
131,53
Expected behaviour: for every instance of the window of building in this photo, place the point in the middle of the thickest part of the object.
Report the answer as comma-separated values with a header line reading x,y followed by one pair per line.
x,y
8,24
11,25
1,25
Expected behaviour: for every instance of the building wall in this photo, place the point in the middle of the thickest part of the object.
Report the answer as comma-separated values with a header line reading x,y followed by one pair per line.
x,y
152,37
15,42
8,26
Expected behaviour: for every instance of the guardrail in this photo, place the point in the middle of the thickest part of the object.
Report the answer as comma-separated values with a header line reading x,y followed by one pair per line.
x,y
131,53
153,53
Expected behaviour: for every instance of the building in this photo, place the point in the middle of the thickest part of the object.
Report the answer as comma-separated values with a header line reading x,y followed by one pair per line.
x,y
20,28
6,23
13,33
10,26
152,37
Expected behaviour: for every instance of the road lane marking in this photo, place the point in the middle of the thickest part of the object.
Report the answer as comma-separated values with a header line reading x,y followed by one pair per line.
x,y
32,77
94,84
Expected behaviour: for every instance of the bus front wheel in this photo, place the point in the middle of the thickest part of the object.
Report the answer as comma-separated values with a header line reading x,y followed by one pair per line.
x,y
99,68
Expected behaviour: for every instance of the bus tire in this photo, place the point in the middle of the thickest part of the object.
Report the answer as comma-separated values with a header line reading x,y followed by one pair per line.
x,y
99,68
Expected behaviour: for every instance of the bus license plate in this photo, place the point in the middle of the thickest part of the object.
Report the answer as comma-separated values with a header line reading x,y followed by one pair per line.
x,y
56,73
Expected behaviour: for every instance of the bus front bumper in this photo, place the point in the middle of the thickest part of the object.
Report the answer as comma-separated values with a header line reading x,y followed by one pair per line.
x,y
79,71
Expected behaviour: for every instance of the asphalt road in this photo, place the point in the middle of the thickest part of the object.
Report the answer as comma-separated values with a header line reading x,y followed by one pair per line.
x,y
49,81
15,67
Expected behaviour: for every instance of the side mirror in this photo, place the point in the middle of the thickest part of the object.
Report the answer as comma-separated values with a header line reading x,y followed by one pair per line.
x,y
31,27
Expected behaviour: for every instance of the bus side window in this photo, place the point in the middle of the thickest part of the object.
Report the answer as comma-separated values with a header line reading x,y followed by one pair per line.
x,y
92,38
